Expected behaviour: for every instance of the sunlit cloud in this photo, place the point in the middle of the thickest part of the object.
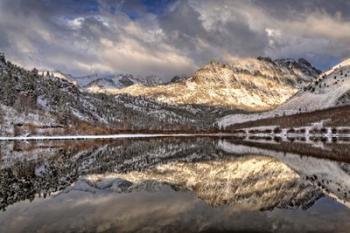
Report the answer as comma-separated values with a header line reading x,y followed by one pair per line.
x,y
175,37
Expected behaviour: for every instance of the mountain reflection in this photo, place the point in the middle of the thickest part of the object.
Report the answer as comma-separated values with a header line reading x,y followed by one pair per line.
x,y
217,173
250,182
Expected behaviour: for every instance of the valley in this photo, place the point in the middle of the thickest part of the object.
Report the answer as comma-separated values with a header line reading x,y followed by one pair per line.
x,y
283,95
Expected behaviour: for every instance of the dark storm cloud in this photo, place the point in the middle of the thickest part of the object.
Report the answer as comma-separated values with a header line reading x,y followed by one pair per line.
x,y
168,37
290,9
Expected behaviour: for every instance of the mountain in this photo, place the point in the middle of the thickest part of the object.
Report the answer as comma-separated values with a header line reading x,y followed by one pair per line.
x,y
246,84
31,102
34,102
301,67
96,83
325,98
115,81
330,89
268,183
99,82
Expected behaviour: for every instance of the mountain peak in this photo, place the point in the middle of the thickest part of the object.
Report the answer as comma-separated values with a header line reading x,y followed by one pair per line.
x,y
250,84
331,89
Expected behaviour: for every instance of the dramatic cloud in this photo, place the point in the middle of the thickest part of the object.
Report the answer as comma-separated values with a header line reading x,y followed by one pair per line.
x,y
169,37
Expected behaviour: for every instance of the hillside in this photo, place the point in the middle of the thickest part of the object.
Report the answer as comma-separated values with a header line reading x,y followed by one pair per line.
x,y
32,103
246,84
329,92
331,89
331,117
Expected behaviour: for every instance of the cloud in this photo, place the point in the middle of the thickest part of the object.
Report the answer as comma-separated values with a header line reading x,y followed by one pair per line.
x,y
173,37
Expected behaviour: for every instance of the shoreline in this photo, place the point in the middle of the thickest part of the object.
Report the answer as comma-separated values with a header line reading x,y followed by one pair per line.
x,y
111,136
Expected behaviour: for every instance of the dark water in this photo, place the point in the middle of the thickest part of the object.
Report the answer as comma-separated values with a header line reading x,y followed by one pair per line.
x,y
174,185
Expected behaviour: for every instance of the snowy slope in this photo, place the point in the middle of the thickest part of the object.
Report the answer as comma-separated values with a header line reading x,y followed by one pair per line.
x,y
331,89
96,83
10,117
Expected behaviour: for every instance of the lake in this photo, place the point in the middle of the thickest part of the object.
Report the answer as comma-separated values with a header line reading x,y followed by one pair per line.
x,y
175,184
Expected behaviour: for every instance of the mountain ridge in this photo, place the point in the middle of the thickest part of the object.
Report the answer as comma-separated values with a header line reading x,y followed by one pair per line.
x,y
249,84
117,80
331,90
186,103
30,101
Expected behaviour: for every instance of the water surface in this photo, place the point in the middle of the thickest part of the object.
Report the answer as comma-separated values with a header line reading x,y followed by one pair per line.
x,y
197,184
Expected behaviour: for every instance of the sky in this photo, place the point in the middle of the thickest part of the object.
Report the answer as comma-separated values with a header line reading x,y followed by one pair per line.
x,y
169,37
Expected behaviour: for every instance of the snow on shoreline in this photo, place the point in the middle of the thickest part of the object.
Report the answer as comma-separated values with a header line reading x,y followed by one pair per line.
x,y
110,136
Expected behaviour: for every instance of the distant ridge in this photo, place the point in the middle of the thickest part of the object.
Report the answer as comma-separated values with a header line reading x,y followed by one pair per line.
x,y
245,84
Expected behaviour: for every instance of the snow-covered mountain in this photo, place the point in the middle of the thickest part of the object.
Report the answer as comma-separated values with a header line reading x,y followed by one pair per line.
x,y
301,67
100,82
185,103
31,100
96,83
246,84
331,89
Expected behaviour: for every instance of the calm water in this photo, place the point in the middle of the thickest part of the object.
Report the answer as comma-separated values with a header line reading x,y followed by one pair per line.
x,y
175,185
